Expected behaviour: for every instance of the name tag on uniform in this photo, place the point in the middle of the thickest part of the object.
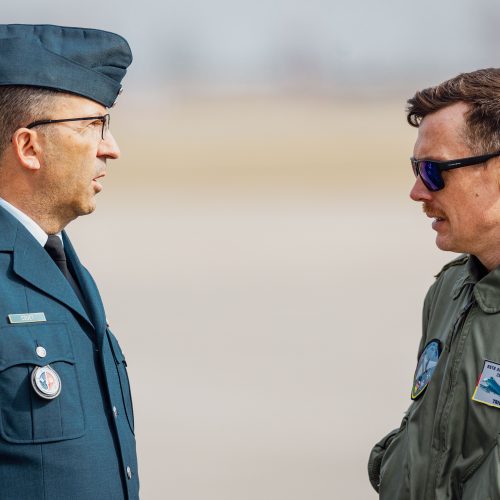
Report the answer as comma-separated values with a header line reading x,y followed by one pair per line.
x,y
27,318
488,387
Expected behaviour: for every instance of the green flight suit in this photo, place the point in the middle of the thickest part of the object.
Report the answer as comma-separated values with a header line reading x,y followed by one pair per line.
x,y
448,445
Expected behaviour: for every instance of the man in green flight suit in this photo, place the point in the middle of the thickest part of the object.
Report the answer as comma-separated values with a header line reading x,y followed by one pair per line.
x,y
448,444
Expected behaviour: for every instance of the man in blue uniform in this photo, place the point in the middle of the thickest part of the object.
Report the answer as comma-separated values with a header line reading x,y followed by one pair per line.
x,y
66,418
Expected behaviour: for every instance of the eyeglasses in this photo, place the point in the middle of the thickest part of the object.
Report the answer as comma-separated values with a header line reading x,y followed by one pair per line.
x,y
430,171
104,119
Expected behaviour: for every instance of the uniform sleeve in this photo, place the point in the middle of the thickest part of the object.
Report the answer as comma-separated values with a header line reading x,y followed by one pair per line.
x,y
376,456
378,451
426,313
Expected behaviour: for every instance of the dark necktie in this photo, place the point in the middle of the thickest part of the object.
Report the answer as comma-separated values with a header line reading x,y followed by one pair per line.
x,y
54,248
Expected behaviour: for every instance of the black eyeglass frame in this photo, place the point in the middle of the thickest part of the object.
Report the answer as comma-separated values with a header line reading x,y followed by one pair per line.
x,y
105,120
442,166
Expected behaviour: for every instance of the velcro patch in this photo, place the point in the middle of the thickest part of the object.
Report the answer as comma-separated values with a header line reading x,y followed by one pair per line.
x,y
488,386
425,367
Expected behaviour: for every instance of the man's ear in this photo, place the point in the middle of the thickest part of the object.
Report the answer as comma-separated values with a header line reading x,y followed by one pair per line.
x,y
27,148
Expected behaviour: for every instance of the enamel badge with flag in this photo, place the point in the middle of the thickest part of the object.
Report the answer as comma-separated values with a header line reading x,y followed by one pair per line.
x,y
46,382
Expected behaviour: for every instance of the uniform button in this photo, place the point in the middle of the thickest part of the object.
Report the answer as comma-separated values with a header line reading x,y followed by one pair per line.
x,y
115,411
129,472
41,352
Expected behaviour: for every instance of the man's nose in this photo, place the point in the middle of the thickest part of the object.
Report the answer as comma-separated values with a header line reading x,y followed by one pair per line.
x,y
419,192
108,147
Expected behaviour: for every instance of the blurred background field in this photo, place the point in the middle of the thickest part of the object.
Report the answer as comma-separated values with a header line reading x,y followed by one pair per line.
x,y
255,246
303,143
271,329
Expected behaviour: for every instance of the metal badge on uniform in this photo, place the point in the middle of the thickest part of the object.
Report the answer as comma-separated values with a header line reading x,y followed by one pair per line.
x,y
488,386
46,382
425,367
27,318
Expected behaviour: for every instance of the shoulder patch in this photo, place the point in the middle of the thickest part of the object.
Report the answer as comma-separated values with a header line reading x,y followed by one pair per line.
x,y
459,261
426,365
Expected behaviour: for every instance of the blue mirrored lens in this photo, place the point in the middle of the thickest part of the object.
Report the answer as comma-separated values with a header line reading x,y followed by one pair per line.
x,y
430,175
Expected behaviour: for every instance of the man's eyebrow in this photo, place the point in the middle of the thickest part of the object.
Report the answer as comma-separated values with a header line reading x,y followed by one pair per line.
x,y
432,157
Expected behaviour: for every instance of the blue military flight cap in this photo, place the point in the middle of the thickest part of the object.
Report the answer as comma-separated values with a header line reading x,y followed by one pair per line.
x,y
86,62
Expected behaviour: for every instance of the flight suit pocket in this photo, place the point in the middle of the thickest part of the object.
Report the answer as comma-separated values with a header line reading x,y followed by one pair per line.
x,y
25,415
386,460
376,457
483,481
121,366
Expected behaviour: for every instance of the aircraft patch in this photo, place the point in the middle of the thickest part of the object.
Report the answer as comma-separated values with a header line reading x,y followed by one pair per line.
x,y
425,367
488,386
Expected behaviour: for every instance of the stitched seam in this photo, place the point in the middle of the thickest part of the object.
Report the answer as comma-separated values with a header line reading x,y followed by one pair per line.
x,y
43,473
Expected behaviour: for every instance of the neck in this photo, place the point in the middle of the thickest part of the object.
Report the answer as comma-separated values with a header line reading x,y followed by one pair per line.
x,y
49,222
489,261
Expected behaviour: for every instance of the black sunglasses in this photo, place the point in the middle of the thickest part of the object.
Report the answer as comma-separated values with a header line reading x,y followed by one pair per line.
x,y
430,171
104,119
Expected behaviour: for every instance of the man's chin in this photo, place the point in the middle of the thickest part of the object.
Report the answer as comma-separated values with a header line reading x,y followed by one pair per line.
x,y
447,245
86,209
90,209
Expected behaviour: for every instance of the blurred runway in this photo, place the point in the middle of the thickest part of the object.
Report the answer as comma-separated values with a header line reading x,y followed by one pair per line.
x,y
270,327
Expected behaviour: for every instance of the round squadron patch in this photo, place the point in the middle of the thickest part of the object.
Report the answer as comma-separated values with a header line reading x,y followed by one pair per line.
x,y
46,382
425,367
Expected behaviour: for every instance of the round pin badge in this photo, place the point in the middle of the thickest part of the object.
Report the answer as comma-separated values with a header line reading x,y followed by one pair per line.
x,y
46,382
425,367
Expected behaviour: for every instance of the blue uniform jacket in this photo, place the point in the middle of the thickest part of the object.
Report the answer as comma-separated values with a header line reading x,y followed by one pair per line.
x,y
80,445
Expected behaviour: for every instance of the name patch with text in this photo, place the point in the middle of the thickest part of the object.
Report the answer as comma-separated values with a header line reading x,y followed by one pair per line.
x,y
488,386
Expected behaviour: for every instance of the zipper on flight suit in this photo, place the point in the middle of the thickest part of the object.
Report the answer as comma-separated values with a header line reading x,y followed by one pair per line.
x,y
459,322
442,426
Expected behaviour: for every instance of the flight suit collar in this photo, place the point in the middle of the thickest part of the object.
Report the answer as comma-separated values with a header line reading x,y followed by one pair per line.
x,y
486,285
470,275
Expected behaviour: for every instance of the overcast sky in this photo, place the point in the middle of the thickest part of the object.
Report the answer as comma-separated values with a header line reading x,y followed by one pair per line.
x,y
321,43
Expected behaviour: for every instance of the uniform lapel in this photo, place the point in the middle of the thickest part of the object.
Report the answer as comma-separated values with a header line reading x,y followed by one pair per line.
x,y
88,288
32,263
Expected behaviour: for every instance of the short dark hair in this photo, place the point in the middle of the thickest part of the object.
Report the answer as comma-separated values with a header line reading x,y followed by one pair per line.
x,y
20,105
480,90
